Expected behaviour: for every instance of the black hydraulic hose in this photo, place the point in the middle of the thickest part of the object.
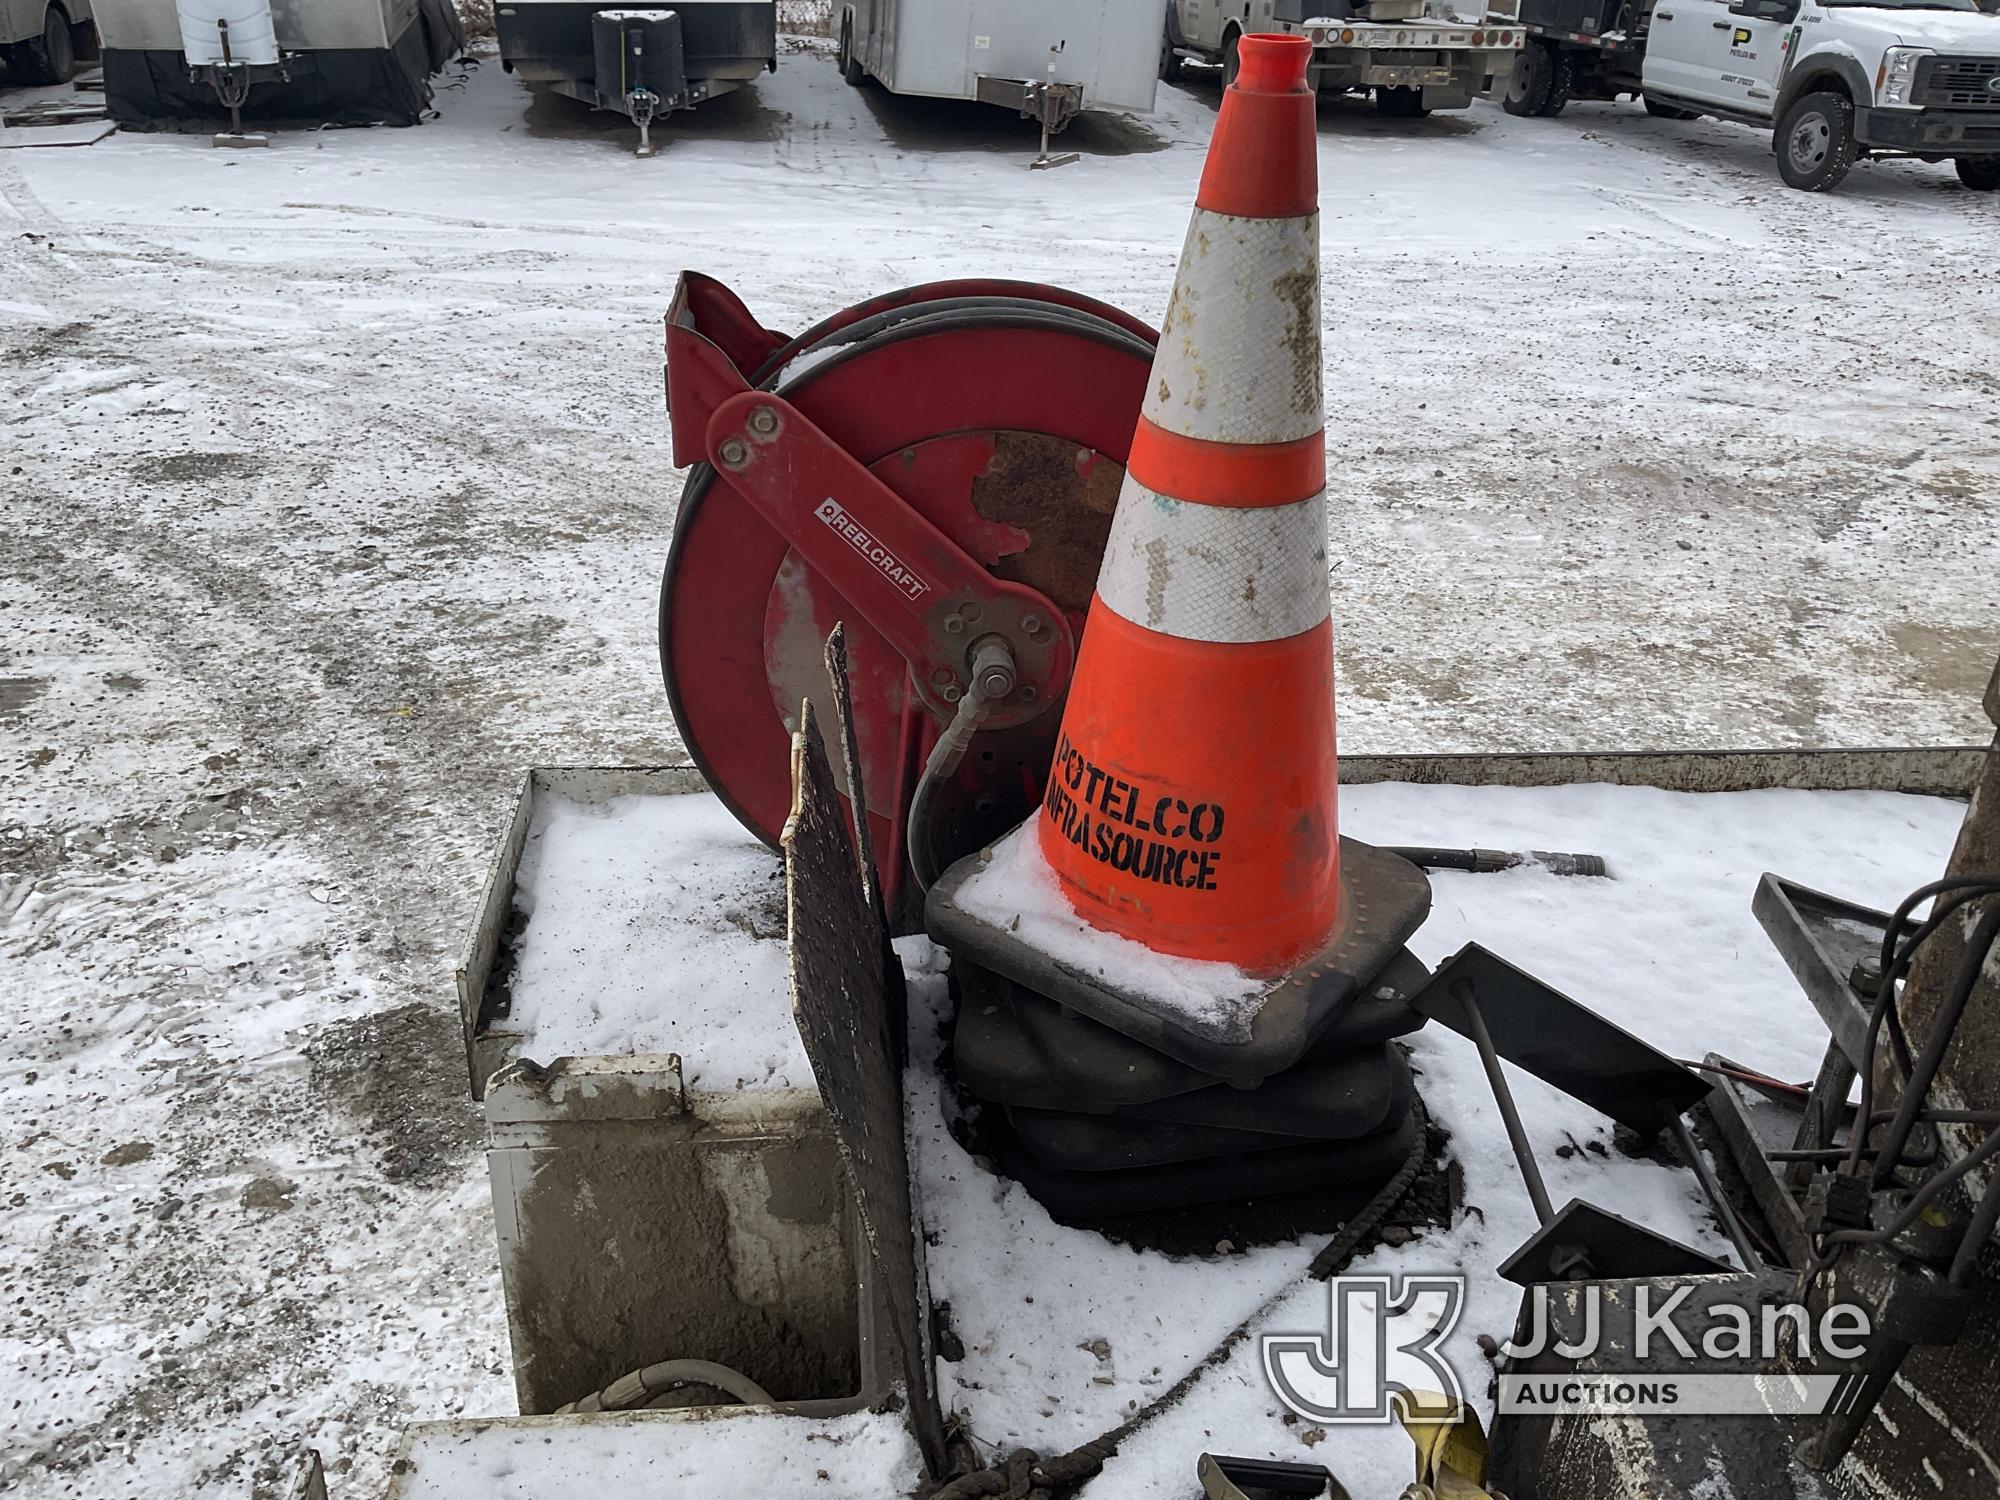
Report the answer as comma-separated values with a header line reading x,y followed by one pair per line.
x,y
1921,1199
1943,1031
1896,960
1901,916
943,760
991,661
1492,861
1906,951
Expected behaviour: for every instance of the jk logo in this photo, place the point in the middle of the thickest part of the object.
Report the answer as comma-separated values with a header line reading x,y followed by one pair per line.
x,y
1381,1341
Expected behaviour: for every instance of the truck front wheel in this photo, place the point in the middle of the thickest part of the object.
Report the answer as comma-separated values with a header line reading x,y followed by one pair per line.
x,y
1232,63
1815,142
1980,173
1170,60
51,57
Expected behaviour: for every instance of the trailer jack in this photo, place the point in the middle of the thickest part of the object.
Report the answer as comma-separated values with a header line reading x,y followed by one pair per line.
x,y
642,104
232,79
1048,102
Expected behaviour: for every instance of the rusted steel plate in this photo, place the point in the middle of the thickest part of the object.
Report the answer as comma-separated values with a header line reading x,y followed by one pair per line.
x,y
841,1000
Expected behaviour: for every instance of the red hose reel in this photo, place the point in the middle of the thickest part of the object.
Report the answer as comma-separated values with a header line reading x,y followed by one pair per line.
x,y
937,468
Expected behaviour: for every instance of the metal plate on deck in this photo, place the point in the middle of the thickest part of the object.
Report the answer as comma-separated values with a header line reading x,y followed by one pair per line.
x,y
1821,938
1610,1247
841,997
1561,1042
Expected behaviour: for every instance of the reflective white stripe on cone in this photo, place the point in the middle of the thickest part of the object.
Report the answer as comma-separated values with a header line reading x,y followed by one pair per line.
x,y
1216,572
1239,355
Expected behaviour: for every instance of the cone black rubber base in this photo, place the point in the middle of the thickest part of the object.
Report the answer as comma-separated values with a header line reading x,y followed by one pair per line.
x,y
1342,1175
1384,899
1012,1046
1347,1101
1338,1099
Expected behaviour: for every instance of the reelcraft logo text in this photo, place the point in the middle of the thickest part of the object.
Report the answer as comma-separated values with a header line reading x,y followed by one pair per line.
x,y
862,540
1605,1349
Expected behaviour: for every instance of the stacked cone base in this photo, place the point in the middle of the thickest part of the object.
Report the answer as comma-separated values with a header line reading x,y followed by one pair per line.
x,y
1013,1046
1103,1125
1341,1175
1351,1100
1383,899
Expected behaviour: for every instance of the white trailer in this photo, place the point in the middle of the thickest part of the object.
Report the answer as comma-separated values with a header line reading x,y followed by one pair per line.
x,y
349,62
40,39
1047,58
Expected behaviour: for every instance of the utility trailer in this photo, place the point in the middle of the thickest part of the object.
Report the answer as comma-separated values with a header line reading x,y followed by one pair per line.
x,y
1414,56
640,62
1048,59
40,40
338,62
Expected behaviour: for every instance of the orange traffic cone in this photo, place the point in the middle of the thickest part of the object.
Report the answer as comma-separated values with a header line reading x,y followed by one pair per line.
x,y
1192,803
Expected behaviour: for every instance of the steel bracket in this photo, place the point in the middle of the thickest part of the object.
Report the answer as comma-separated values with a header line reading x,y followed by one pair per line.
x,y
906,578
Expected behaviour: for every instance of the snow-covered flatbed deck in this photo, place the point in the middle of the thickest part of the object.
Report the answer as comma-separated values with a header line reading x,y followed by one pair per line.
x,y
1066,1332
335,491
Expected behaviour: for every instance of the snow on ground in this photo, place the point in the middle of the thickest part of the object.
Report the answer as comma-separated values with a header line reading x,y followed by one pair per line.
x,y
335,490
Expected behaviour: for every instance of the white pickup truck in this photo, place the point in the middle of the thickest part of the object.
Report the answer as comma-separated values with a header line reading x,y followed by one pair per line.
x,y
1833,80
40,39
1415,55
